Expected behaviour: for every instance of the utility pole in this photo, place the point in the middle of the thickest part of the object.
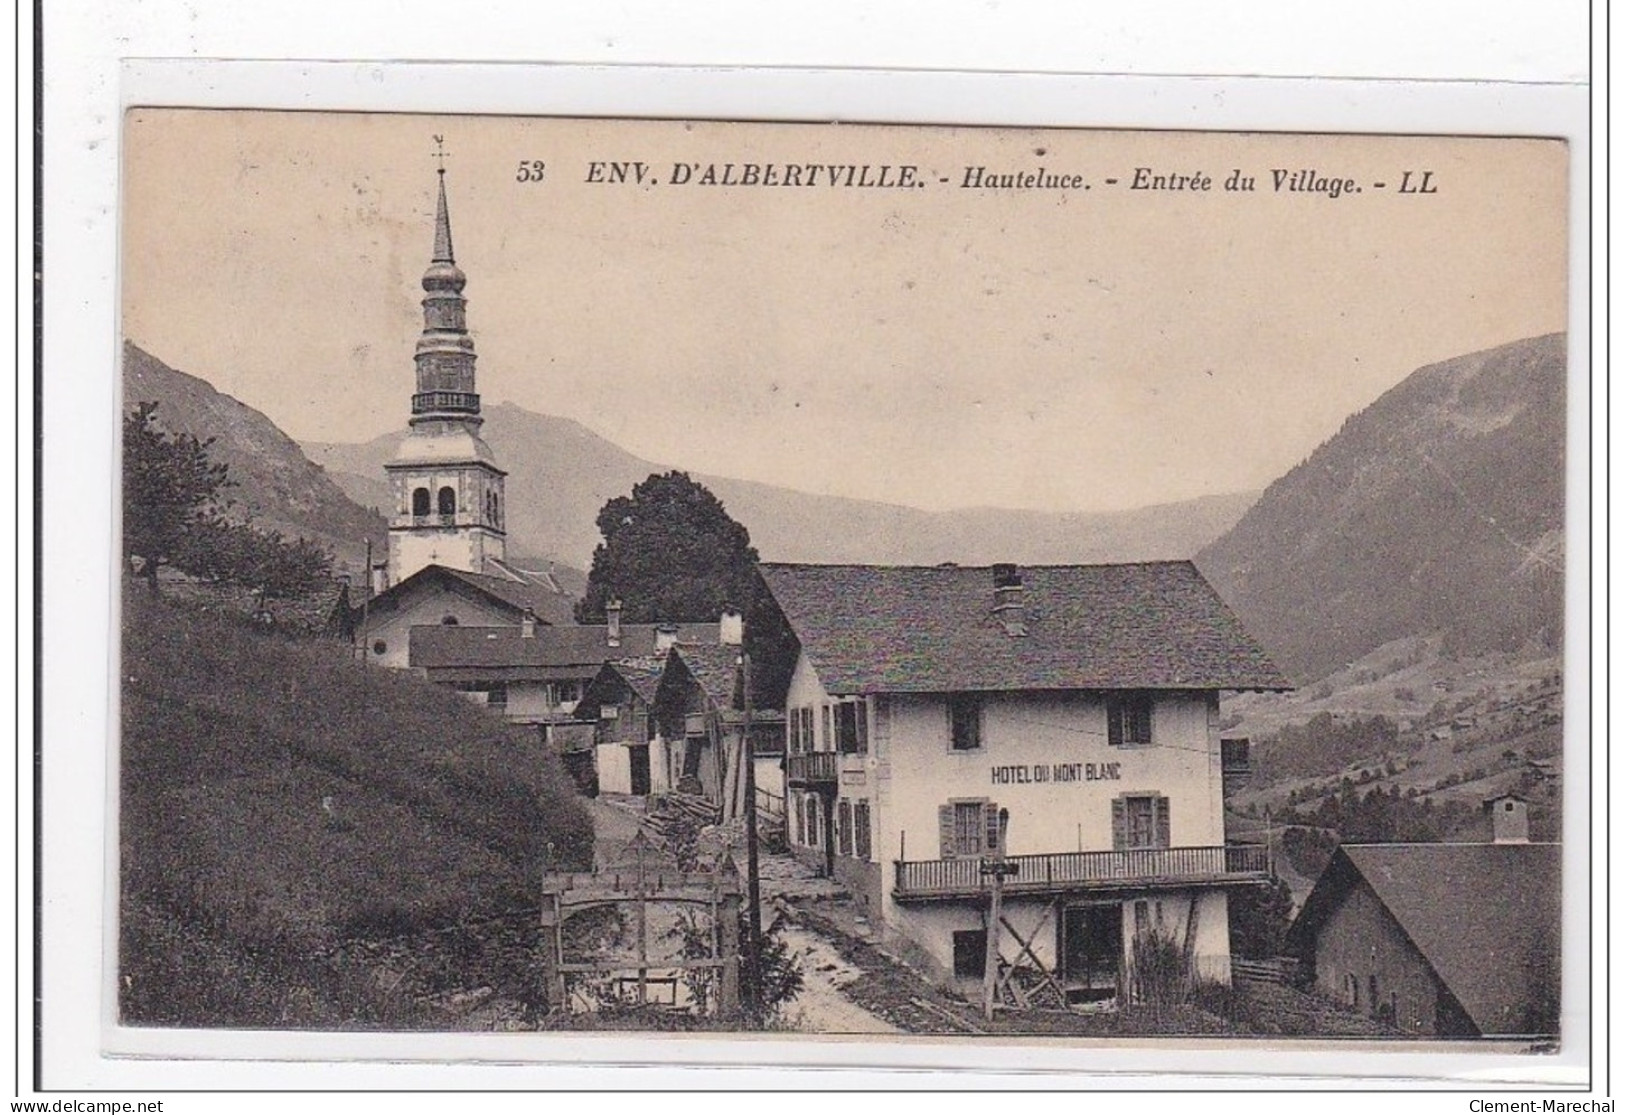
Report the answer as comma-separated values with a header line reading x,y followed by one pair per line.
x,y
996,868
753,878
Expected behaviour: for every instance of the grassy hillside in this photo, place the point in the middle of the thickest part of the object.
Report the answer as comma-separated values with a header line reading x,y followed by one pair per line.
x,y
285,815
1437,510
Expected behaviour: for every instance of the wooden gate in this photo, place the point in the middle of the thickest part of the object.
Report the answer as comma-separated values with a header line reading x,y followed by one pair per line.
x,y
643,873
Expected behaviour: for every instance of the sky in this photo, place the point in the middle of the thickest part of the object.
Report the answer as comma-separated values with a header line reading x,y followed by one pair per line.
x,y
933,345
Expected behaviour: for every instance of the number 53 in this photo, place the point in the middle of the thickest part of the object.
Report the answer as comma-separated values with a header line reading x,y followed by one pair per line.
x,y
530,170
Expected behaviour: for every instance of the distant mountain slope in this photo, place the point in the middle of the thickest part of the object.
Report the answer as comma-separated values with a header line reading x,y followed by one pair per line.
x,y
1437,509
561,474
277,485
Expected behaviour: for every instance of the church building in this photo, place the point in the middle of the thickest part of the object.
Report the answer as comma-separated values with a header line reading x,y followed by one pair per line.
x,y
447,560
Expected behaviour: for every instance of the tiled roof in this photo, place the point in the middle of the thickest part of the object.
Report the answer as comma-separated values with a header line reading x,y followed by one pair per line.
x,y
715,668
1486,917
435,647
932,629
511,591
550,605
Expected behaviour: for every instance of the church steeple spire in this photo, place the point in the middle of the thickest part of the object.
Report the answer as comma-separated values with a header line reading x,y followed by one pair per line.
x,y
449,507
445,353
442,225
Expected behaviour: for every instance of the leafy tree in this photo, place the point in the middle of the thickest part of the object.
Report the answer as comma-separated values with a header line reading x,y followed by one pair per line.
x,y
1258,919
670,553
174,495
175,508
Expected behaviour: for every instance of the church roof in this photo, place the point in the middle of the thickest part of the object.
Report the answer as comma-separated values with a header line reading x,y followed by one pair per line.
x,y
508,593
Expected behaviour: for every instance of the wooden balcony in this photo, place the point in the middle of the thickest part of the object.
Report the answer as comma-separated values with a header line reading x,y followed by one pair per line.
x,y
811,768
1063,872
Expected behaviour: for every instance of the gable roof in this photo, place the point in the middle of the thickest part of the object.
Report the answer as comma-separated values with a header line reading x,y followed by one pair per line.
x,y
1486,918
640,675
577,647
714,668
931,629
508,593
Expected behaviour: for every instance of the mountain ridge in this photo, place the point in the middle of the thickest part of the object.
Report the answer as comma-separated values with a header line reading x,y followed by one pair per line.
x,y
561,473
1438,509
276,486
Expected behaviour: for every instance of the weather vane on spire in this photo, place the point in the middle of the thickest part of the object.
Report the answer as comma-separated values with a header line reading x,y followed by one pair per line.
x,y
440,153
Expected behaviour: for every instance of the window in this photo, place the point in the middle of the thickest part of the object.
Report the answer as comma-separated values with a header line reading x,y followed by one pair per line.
x,y
498,700
964,722
801,730
967,828
567,692
448,621
799,831
1128,720
448,501
420,501
1140,821
829,731
1142,919
379,646
970,953
843,828
852,727
862,836
812,840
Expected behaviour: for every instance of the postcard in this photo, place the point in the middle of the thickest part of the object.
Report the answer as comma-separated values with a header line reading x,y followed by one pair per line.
x,y
813,580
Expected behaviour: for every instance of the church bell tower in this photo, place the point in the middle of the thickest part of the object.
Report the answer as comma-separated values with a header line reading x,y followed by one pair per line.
x,y
449,506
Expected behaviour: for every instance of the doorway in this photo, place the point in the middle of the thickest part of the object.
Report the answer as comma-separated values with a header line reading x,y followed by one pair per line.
x,y
1091,951
639,758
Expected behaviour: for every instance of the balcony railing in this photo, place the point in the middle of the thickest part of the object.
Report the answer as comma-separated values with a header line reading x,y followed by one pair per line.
x,y
811,768
922,880
425,402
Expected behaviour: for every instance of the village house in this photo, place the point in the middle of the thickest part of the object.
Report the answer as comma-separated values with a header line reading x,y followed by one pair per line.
x,y
535,673
1446,940
629,753
701,707
1060,719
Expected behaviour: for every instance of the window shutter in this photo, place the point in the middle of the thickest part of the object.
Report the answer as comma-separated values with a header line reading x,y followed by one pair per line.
x,y
844,835
1114,723
829,730
990,815
860,709
945,830
1119,823
1162,823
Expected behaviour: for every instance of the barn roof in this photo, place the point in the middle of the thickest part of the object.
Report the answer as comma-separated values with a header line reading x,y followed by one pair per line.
x,y
1485,917
1148,625
562,646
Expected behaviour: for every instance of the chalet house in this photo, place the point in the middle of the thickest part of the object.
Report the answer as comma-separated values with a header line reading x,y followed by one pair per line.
x,y
438,596
1446,940
924,704
534,673
629,753
701,708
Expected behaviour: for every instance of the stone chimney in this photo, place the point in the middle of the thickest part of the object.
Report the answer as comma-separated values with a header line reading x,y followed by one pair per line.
x,y
527,625
1009,599
665,637
732,625
1509,818
612,619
